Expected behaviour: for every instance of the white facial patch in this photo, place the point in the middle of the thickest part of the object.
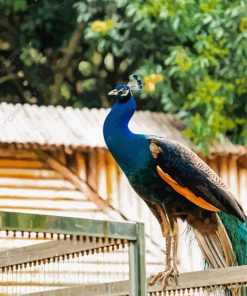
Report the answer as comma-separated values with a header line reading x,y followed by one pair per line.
x,y
124,92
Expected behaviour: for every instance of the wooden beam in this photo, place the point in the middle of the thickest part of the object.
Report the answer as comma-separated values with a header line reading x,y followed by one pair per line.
x,y
101,172
111,177
223,169
92,175
29,173
46,184
60,155
12,152
81,166
78,183
242,181
49,205
233,175
20,163
41,194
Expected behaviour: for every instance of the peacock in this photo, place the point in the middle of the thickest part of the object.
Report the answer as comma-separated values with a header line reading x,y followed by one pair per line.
x,y
176,184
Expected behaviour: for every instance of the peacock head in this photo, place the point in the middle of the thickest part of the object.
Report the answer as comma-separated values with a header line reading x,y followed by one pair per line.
x,y
121,92
124,91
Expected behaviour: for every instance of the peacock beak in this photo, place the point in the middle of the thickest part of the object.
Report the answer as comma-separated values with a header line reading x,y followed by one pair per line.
x,y
113,92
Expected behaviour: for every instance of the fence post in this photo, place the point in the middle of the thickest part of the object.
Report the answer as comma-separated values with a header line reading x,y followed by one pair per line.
x,y
137,263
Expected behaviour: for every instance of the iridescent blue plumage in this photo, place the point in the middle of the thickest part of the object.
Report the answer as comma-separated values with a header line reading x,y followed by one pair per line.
x,y
130,150
175,183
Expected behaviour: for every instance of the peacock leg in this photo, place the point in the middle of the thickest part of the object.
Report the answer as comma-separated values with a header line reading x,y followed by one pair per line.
x,y
169,229
174,250
168,251
160,275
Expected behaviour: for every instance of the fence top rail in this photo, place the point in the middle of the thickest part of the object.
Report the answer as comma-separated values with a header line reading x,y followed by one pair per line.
x,y
200,279
208,278
215,278
13,221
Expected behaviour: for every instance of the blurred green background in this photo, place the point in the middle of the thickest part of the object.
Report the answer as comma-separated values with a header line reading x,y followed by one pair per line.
x,y
191,55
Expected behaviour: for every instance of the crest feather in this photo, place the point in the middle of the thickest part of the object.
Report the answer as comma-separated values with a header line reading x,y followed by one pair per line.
x,y
135,83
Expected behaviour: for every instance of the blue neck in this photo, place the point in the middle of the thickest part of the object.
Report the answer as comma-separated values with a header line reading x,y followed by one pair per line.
x,y
122,143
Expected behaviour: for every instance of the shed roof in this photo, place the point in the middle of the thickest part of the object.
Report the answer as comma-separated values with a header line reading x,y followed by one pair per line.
x,y
31,125
49,125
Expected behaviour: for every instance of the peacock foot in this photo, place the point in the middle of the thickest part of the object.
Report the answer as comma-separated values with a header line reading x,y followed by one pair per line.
x,y
165,277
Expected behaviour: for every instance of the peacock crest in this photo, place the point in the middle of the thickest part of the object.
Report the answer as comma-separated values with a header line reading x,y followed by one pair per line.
x,y
135,83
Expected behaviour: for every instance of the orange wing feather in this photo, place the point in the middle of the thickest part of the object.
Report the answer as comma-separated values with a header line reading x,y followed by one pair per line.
x,y
186,192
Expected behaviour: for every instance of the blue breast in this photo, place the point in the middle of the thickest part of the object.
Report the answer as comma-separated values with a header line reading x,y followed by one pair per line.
x,y
130,150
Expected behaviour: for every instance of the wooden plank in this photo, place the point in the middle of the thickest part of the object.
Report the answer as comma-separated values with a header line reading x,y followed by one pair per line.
x,y
48,195
55,184
29,173
79,205
12,152
85,213
60,155
223,169
20,163
92,177
242,185
33,194
210,278
233,175
81,166
101,172
111,177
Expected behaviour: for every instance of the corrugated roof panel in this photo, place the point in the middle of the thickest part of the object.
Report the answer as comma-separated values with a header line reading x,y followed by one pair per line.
x,y
69,127
49,125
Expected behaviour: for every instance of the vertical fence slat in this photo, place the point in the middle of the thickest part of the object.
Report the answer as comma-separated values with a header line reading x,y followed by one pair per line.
x,y
233,175
223,169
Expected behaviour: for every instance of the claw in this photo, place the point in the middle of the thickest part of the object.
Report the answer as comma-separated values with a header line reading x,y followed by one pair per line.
x,y
165,277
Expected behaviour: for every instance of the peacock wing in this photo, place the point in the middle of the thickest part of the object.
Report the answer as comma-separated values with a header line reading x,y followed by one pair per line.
x,y
190,176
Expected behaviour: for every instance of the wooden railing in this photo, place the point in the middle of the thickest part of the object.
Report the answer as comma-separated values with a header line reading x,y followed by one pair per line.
x,y
209,282
54,241
34,268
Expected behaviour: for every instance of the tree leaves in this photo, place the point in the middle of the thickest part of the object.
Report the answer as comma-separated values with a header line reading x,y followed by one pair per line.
x,y
199,48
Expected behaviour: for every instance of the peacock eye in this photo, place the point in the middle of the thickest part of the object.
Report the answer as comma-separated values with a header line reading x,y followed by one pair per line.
x,y
124,92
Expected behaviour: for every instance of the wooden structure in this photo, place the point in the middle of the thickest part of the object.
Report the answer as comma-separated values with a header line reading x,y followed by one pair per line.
x,y
53,160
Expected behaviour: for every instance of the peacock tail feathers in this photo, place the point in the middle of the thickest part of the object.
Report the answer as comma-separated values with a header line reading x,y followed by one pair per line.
x,y
216,247
226,247
237,232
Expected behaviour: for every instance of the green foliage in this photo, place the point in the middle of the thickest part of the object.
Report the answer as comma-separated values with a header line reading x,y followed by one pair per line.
x,y
13,6
73,52
204,65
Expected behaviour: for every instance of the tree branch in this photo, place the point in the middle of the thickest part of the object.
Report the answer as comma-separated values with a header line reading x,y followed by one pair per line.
x,y
8,77
60,69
